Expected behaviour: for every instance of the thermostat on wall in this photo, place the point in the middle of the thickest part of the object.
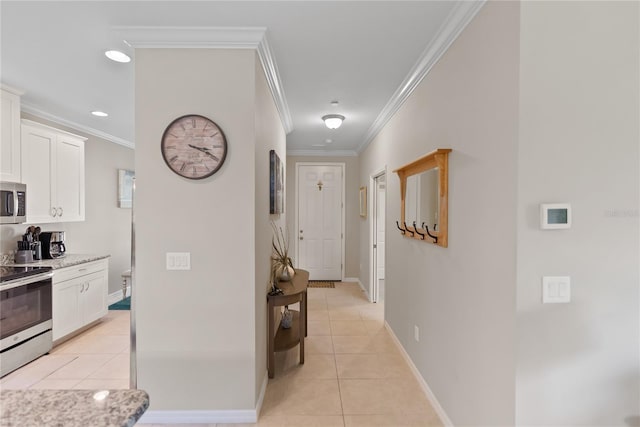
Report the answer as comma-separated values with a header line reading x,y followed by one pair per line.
x,y
555,215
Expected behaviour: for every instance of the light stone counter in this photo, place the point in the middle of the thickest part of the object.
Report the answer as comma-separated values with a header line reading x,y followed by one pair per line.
x,y
68,260
71,408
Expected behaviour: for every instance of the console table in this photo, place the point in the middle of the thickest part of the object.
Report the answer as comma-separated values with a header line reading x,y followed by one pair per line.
x,y
280,339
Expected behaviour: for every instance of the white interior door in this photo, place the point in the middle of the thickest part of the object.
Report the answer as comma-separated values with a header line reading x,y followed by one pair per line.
x,y
380,232
320,221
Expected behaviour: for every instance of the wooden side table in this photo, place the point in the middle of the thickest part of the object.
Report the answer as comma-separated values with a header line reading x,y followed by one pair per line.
x,y
281,339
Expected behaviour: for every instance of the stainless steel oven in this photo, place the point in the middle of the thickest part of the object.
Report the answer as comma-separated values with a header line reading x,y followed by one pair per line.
x,y
25,315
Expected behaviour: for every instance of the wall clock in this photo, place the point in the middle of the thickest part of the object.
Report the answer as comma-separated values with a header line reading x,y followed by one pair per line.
x,y
193,146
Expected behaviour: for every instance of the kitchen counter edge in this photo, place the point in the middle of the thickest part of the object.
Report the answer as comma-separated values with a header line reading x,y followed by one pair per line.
x,y
68,260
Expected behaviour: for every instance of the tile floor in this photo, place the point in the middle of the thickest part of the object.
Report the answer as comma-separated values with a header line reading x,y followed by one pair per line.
x,y
96,359
354,375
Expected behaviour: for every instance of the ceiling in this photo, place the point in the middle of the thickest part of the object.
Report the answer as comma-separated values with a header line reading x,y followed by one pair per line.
x,y
365,54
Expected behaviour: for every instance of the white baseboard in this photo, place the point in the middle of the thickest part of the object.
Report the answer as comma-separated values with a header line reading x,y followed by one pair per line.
x,y
117,296
446,421
208,417
263,390
357,280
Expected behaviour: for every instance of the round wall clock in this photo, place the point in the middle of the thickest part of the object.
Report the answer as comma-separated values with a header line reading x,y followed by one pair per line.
x,y
193,146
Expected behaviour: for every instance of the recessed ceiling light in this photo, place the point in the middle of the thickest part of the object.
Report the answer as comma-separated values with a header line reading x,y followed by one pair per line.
x,y
99,113
334,103
116,55
328,141
318,145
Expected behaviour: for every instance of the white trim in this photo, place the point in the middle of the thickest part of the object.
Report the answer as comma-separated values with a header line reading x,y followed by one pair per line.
x,y
116,296
275,84
332,153
199,417
456,22
356,280
344,209
263,391
373,198
446,421
77,126
11,89
216,38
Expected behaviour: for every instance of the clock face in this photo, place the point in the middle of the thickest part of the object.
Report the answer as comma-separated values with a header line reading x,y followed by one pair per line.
x,y
193,146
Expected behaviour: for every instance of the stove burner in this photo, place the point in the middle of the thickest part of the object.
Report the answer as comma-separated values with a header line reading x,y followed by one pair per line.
x,y
8,272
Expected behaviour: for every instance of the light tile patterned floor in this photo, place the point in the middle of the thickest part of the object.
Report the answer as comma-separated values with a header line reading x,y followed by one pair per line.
x,y
95,359
353,374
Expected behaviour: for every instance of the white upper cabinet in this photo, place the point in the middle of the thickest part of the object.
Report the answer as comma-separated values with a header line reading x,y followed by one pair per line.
x,y
53,170
10,135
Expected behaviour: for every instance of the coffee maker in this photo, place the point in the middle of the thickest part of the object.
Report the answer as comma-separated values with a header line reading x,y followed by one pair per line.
x,y
52,244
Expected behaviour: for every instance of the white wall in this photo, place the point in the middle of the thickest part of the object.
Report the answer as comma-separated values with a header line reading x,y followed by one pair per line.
x,y
463,297
196,329
579,363
352,205
270,135
107,228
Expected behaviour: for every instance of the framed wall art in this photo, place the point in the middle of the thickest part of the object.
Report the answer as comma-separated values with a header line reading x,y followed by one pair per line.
x,y
125,188
276,184
363,202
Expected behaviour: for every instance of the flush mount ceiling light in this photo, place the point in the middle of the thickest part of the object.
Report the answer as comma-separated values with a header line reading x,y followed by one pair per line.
x,y
99,113
116,55
333,121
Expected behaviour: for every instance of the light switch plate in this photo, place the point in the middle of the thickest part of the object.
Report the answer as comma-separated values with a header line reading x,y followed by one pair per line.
x,y
556,289
178,261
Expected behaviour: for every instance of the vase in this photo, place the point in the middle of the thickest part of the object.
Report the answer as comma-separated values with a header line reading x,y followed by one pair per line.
x,y
287,318
286,273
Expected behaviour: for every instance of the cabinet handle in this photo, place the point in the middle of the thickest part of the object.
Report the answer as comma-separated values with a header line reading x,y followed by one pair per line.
x,y
60,211
82,288
88,284
53,212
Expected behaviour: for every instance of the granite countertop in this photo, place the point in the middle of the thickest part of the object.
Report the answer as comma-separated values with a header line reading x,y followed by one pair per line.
x,y
71,408
68,260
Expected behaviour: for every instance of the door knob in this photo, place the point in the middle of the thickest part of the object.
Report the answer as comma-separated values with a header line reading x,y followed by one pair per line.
x,y
301,238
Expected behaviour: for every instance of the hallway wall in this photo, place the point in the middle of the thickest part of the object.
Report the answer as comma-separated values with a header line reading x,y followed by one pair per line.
x,y
579,363
463,297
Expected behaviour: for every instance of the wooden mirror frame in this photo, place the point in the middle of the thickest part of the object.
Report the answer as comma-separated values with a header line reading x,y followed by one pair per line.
x,y
436,159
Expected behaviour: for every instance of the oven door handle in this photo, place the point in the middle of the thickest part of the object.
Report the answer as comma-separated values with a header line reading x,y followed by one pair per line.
x,y
25,281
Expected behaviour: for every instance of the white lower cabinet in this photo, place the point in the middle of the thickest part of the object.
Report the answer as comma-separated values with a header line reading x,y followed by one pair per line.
x,y
79,296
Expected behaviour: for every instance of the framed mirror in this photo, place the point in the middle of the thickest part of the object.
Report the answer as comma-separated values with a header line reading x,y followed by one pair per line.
x,y
424,191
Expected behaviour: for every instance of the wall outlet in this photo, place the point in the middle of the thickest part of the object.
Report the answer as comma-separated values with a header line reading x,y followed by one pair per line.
x,y
178,260
416,333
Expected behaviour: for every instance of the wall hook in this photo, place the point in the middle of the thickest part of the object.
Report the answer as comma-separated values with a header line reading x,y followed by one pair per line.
x,y
416,229
399,228
407,228
426,228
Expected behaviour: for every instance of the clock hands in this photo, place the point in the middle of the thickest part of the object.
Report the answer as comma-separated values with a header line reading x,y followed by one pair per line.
x,y
205,151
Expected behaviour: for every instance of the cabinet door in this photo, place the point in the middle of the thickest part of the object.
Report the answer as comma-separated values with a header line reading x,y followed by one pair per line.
x,y
66,307
69,179
10,137
38,147
94,297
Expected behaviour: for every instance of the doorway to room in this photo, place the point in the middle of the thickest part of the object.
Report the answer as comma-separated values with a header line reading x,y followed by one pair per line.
x,y
378,203
319,220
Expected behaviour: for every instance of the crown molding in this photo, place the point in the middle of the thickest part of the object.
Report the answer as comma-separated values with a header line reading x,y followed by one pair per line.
x,y
317,153
77,126
275,84
456,22
217,38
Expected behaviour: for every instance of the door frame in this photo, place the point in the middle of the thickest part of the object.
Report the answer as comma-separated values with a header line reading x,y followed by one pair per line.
x,y
373,294
342,219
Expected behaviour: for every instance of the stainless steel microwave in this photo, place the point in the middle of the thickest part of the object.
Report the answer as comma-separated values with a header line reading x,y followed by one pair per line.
x,y
13,203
